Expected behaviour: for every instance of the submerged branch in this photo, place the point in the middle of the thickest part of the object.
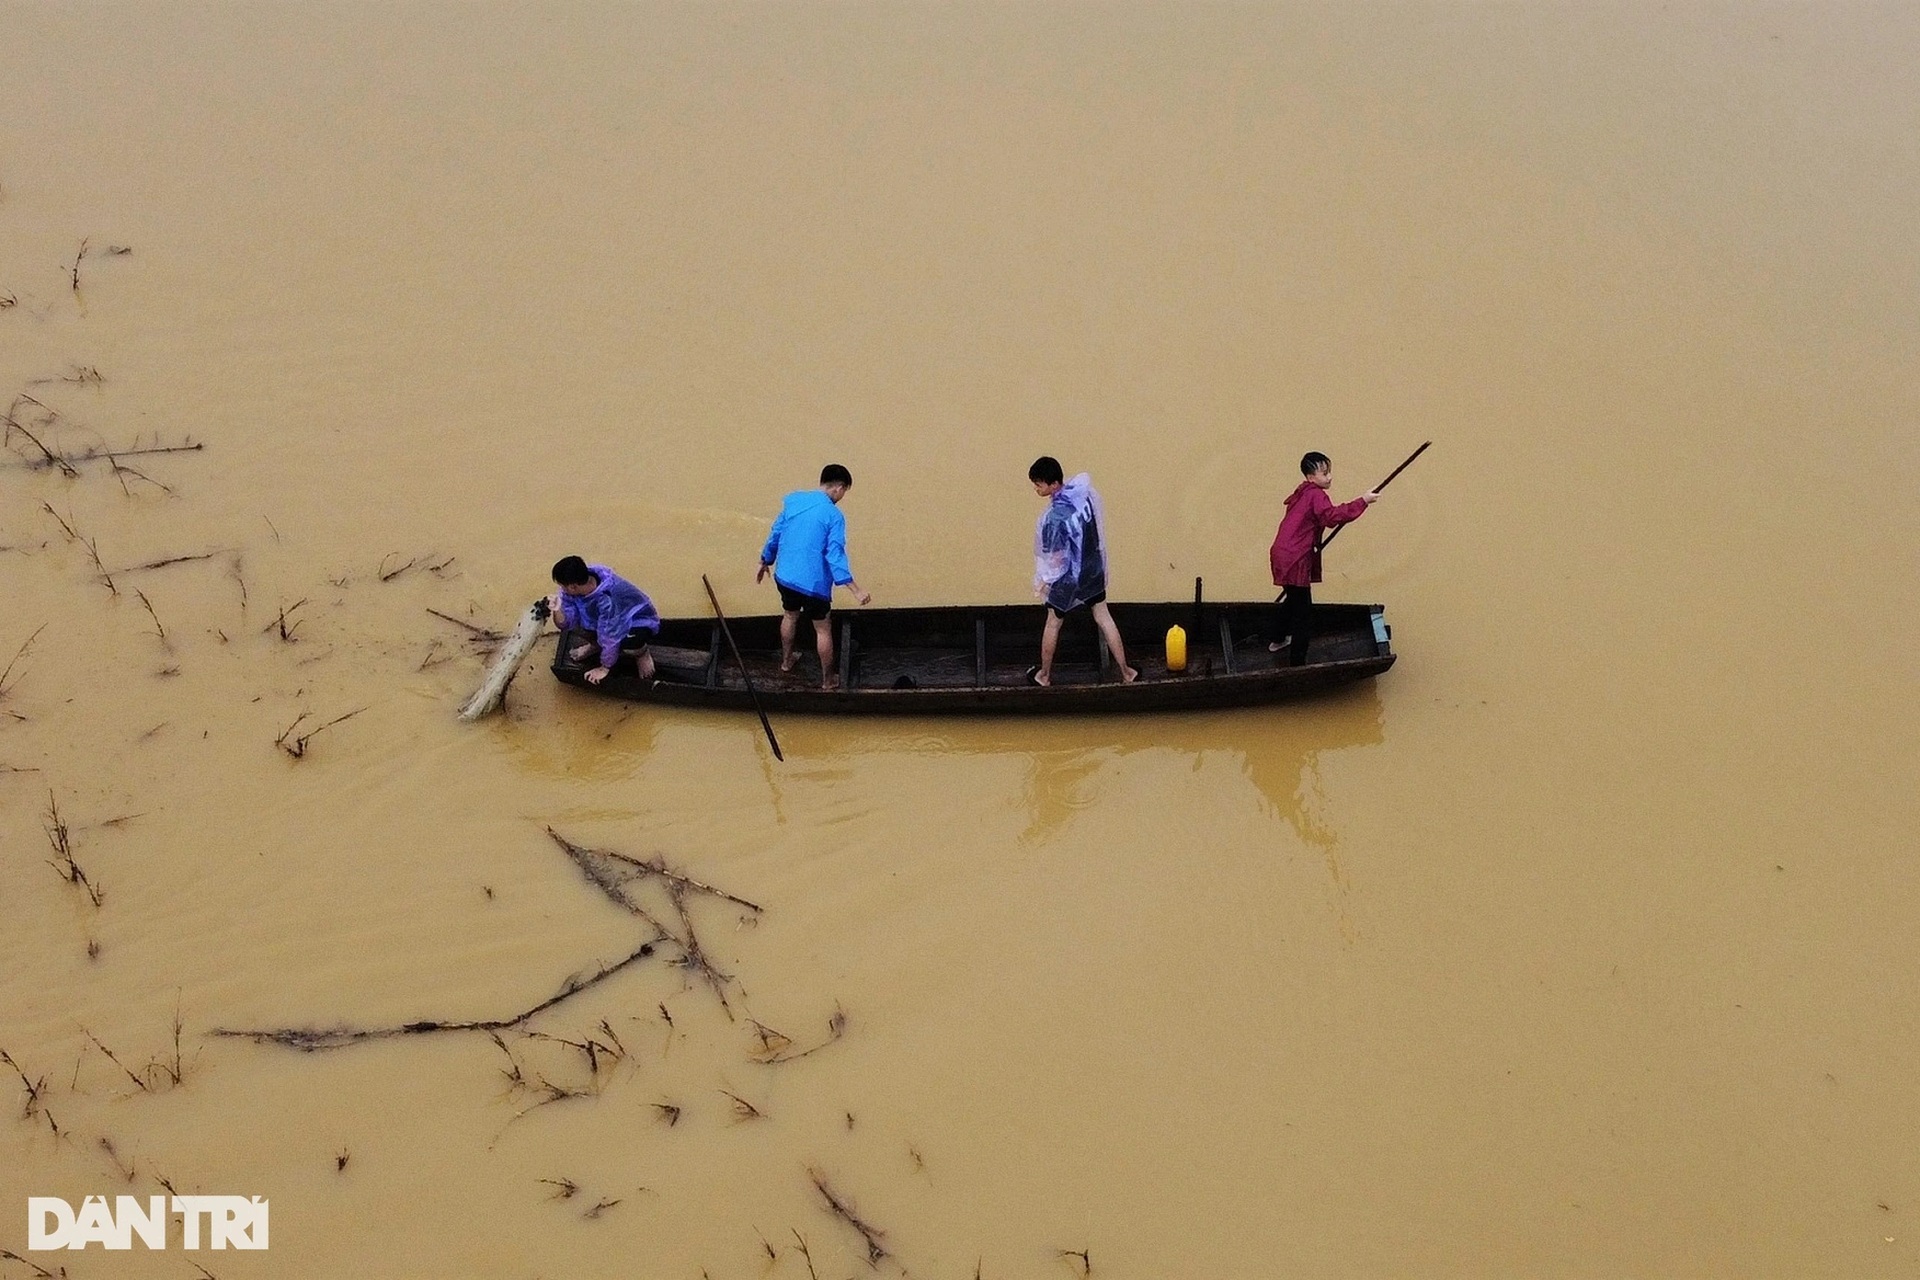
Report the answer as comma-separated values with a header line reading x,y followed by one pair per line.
x,y
313,1039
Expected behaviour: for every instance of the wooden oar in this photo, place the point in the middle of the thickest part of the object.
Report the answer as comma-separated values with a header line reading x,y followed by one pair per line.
x,y
1377,488
493,690
728,631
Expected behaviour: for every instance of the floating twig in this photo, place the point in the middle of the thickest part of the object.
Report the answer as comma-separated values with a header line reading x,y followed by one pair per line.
x,y
34,1089
487,634
1086,1262
39,1271
75,268
173,1068
170,560
99,453
148,606
806,1254
515,1077
609,879
742,1109
311,1040
126,1169
62,841
25,648
281,619
773,1056
142,1085
669,1113
93,551
772,1042
876,1251
121,471
52,459
296,745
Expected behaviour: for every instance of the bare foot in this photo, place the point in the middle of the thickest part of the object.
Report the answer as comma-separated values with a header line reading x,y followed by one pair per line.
x,y
1129,675
788,661
830,685
580,651
644,664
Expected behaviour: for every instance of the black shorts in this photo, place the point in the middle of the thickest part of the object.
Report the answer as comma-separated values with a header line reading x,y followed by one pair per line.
x,y
812,608
1099,597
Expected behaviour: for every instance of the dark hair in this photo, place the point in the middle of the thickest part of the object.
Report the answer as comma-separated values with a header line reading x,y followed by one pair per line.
x,y
834,473
1046,471
1313,462
571,571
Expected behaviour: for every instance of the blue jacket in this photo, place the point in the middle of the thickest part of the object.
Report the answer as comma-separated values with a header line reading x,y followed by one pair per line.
x,y
808,545
610,611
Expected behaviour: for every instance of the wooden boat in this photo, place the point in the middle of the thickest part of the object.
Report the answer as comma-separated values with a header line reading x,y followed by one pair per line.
x,y
964,659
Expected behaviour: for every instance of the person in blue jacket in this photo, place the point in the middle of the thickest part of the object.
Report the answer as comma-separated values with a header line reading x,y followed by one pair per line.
x,y
807,554
617,615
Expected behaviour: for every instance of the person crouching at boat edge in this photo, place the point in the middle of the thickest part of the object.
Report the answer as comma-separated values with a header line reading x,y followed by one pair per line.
x,y
1295,554
1070,564
806,551
617,614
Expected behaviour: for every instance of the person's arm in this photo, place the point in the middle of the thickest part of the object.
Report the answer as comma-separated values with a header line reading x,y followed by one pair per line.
x,y
837,566
1346,512
1050,565
771,551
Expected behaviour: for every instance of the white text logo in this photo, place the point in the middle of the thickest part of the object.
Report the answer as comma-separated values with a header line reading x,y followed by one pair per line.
x,y
230,1222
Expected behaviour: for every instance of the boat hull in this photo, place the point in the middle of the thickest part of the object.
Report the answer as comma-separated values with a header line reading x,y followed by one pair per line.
x,y
964,660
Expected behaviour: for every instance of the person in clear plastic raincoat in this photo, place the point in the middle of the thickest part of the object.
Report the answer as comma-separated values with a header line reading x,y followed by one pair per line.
x,y
1070,564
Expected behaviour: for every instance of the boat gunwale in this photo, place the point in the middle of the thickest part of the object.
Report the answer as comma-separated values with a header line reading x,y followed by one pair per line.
x,y
1205,689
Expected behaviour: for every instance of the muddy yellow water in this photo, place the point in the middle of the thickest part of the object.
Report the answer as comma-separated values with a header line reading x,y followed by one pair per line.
x,y
1581,943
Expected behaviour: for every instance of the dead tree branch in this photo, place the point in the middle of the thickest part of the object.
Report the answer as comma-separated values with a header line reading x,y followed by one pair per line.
x,y
313,1039
608,880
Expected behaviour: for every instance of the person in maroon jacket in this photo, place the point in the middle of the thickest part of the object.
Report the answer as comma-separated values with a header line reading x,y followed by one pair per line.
x,y
1295,555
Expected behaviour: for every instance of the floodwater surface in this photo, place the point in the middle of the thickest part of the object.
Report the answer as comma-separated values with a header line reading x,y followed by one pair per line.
x,y
1581,943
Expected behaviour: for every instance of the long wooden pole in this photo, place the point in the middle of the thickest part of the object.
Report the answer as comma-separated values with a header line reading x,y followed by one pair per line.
x,y
1377,488
751,693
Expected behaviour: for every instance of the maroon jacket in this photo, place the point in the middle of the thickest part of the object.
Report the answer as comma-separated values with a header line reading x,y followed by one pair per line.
x,y
1295,556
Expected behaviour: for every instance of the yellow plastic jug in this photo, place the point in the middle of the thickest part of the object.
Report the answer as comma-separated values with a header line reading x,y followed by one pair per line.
x,y
1176,648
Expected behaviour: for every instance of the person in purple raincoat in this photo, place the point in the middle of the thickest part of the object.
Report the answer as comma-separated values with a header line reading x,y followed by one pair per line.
x,y
618,616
